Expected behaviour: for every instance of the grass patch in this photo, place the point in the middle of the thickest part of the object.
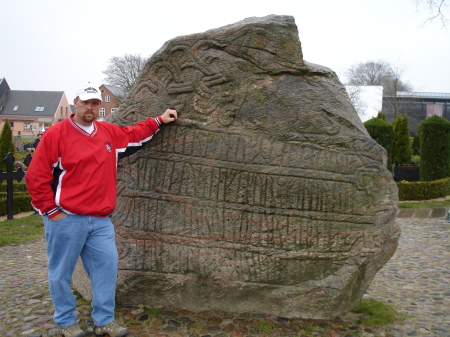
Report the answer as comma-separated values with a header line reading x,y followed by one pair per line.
x,y
264,326
77,295
28,139
376,313
22,230
152,311
309,329
197,326
424,204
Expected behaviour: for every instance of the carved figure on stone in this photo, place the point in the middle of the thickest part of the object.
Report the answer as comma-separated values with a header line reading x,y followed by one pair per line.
x,y
267,195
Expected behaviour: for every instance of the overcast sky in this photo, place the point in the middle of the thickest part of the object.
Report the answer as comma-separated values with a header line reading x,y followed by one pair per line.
x,y
56,45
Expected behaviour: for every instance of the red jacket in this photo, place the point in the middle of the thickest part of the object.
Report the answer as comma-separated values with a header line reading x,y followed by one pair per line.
x,y
76,171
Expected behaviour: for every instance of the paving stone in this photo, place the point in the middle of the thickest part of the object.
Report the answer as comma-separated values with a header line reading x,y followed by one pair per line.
x,y
405,213
423,213
439,212
416,281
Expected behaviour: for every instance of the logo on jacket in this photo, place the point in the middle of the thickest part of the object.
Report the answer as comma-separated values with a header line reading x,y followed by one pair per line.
x,y
108,147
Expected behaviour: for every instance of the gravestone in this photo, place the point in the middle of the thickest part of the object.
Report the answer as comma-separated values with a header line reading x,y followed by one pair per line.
x,y
409,172
17,141
266,195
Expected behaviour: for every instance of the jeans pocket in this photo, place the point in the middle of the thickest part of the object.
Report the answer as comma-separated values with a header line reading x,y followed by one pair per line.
x,y
59,220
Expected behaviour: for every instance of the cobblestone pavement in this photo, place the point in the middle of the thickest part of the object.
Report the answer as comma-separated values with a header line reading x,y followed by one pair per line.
x,y
416,281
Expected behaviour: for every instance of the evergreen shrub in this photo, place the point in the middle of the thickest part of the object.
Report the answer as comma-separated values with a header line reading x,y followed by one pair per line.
x,y
416,143
381,115
6,144
402,149
383,133
434,148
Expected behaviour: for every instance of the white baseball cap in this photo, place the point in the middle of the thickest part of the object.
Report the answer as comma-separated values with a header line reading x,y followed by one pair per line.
x,y
88,91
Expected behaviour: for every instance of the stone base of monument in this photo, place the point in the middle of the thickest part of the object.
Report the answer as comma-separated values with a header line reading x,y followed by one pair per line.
x,y
324,299
317,298
267,195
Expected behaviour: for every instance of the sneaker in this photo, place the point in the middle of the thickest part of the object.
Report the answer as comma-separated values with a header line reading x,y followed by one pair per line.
x,y
72,331
112,329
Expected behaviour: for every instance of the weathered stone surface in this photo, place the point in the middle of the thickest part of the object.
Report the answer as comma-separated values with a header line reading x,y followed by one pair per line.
x,y
267,194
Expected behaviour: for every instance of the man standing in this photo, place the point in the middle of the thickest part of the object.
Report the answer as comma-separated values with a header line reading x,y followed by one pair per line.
x,y
72,183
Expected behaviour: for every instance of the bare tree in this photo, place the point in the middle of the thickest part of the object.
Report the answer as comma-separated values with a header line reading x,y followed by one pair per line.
x,y
395,81
378,73
369,73
122,72
435,8
394,85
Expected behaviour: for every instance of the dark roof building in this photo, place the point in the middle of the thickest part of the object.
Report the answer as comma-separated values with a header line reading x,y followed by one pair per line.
x,y
3,87
29,112
417,106
117,92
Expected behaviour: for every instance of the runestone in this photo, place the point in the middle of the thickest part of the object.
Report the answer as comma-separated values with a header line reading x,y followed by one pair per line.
x,y
266,195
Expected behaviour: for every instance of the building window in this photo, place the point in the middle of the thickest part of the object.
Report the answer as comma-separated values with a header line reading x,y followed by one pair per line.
x,y
435,109
113,110
39,108
16,107
26,127
102,112
67,109
107,98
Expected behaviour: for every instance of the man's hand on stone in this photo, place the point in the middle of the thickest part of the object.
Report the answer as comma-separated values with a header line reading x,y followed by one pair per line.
x,y
169,116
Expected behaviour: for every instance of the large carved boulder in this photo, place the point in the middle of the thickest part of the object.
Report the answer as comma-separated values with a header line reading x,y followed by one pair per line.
x,y
267,195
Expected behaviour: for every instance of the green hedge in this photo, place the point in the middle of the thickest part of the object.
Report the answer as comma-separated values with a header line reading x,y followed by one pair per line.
x,y
421,190
434,148
402,149
22,200
18,187
21,203
383,133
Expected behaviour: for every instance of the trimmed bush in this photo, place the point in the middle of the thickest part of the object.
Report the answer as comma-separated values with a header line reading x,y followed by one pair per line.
x,y
434,148
381,115
402,150
22,199
416,143
19,187
6,144
420,190
383,133
21,203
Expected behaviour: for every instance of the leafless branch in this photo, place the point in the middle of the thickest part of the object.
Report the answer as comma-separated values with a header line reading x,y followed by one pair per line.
x,y
123,71
436,10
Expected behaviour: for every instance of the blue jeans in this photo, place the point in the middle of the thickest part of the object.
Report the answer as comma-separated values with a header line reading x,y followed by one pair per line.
x,y
93,239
